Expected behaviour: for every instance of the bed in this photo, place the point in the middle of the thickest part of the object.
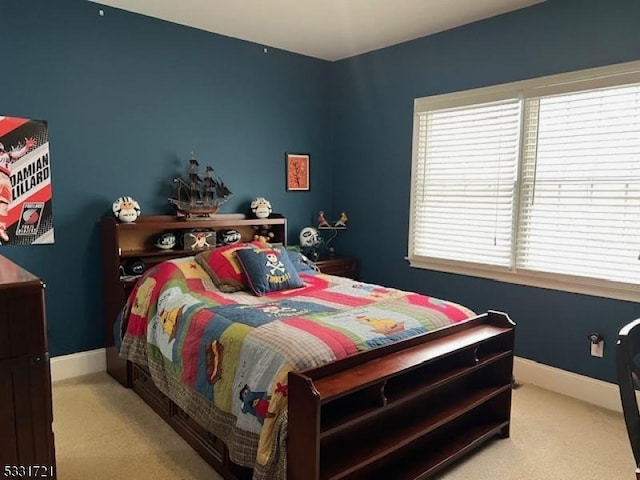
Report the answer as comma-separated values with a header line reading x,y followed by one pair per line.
x,y
323,378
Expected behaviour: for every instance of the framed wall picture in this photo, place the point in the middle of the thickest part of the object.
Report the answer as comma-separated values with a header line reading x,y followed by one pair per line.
x,y
297,171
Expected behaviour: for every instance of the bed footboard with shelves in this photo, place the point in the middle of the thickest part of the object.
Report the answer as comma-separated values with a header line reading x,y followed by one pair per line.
x,y
406,410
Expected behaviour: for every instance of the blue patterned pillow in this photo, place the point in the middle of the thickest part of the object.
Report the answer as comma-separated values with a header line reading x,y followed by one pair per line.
x,y
268,270
301,263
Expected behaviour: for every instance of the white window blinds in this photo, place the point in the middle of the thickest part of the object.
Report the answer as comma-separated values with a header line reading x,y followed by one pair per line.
x,y
464,175
535,182
580,207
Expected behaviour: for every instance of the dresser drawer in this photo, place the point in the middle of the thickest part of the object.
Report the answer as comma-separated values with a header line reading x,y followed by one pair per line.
x,y
22,331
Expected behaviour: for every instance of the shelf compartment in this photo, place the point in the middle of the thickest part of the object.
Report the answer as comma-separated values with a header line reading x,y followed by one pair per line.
x,y
357,450
346,412
222,220
137,239
363,375
456,367
406,417
172,252
351,409
425,458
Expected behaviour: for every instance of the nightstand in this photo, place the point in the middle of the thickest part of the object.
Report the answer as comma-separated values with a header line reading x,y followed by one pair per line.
x,y
341,266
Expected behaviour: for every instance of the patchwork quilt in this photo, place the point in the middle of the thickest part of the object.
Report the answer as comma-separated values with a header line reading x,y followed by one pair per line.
x,y
224,357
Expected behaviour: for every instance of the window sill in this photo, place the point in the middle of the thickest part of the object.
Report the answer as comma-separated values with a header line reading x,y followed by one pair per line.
x,y
566,283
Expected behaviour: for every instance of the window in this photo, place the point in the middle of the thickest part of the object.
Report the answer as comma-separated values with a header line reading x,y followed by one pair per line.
x,y
536,182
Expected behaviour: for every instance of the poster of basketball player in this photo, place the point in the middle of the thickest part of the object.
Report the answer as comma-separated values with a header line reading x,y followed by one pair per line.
x,y
26,216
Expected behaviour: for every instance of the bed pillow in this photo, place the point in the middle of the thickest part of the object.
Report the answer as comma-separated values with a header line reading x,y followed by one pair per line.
x,y
301,263
222,266
268,270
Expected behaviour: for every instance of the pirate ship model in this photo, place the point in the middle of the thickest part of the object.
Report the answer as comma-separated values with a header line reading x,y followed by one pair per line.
x,y
196,197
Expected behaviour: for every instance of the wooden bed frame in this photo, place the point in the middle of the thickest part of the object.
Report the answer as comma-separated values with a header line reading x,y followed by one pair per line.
x,y
405,410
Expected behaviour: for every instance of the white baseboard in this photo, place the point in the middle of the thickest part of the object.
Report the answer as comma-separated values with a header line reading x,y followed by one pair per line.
x,y
596,392
78,364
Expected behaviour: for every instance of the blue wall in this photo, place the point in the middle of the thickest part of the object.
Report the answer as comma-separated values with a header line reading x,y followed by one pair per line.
x,y
127,99
372,130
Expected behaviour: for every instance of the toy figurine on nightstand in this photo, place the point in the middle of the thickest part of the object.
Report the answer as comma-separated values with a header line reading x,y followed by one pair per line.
x,y
310,240
324,224
342,222
322,221
339,224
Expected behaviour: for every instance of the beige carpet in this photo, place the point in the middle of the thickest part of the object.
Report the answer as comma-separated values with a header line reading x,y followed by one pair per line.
x,y
104,432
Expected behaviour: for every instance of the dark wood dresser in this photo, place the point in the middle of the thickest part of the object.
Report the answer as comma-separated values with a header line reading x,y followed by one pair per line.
x,y
26,435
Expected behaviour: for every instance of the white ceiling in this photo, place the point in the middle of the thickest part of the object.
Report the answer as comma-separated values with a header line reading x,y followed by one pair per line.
x,y
326,29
